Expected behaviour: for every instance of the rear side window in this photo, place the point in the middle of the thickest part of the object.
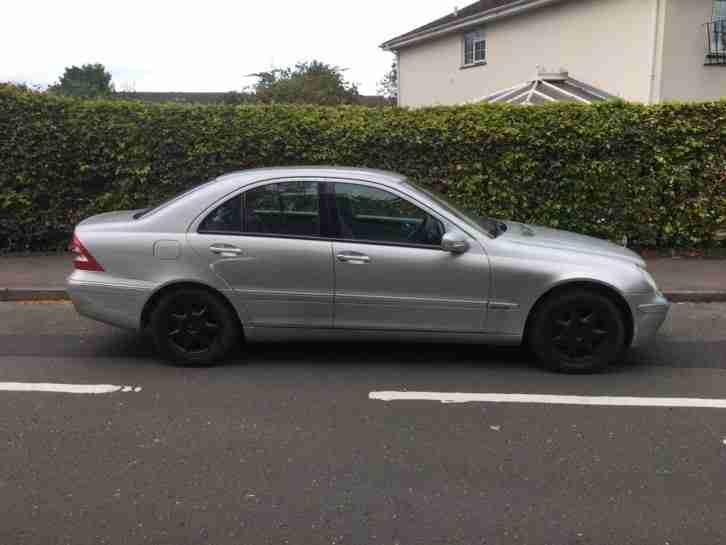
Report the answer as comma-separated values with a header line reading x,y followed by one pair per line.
x,y
286,208
370,214
226,218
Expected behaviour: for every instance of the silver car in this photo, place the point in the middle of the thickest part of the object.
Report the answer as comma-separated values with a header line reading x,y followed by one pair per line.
x,y
341,253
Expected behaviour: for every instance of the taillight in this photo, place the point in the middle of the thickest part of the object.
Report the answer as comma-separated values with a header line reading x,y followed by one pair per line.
x,y
83,261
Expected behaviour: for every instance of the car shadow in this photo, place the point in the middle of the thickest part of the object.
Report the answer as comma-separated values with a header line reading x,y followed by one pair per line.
x,y
138,348
387,353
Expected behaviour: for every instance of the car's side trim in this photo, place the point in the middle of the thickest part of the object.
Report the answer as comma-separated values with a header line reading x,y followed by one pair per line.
x,y
361,299
654,308
502,305
438,302
112,283
313,297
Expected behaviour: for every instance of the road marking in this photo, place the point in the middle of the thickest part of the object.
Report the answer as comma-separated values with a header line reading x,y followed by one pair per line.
x,y
65,388
608,401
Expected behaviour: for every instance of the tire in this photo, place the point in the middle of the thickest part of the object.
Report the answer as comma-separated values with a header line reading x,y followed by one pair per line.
x,y
193,327
579,331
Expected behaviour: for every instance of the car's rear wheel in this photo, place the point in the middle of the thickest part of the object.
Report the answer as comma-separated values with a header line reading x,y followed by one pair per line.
x,y
193,327
579,331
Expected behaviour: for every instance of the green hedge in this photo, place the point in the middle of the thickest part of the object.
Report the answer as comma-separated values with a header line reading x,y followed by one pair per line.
x,y
656,174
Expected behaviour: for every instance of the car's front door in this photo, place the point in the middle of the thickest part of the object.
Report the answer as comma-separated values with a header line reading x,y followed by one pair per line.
x,y
391,272
268,245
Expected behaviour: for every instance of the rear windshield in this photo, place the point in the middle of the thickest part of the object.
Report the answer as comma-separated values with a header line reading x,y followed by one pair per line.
x,y
149,211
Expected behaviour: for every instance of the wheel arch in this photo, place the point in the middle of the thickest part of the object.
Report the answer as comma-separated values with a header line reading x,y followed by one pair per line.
x,y
594,285
179,285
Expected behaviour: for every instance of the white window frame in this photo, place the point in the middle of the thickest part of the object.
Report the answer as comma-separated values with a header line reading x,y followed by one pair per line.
x,y
719,10
477,37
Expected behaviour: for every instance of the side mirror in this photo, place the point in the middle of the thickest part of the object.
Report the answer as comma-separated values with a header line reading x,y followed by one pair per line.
x,y
454,242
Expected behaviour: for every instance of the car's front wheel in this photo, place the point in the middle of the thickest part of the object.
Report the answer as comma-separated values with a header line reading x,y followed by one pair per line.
x,y
580,331
192,327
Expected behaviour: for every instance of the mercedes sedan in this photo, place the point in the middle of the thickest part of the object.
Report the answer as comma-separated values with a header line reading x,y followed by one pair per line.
x,y
342,253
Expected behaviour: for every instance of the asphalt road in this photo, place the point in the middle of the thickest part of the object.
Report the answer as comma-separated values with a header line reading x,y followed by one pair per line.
x,y
283,445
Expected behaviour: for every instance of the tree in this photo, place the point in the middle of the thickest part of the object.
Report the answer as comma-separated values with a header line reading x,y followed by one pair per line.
x,y
306,83
388,86
87,81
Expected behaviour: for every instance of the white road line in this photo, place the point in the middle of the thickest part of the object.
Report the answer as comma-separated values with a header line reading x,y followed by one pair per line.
x,y
608,401
65,388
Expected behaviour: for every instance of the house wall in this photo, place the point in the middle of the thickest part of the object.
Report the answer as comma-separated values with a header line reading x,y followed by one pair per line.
x,y
606,43
684,75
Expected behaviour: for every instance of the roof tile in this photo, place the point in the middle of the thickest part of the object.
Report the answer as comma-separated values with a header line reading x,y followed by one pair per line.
x,y
473,9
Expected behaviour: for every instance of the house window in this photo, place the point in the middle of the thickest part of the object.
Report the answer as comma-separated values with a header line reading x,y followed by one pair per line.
x,y
475,48
717,34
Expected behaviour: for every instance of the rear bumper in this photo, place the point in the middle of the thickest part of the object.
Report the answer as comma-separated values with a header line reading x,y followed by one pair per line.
x,y
649,313
108,299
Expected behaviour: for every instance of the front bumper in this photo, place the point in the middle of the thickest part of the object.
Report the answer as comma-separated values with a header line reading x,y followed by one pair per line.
x,y
649,312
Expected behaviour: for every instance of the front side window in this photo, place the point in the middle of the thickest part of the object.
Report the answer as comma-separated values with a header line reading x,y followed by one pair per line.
x,y
286,208
373,215
475,48
719,10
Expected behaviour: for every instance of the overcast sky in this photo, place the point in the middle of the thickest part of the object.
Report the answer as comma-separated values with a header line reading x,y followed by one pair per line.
x,y
205,45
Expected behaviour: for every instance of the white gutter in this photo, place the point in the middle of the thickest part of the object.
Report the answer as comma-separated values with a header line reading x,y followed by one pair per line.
x,y
654,92
509,10
398,79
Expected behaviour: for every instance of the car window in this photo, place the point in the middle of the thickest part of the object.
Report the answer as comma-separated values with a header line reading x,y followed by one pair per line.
x,y
370,214
286,208
226,218
150,211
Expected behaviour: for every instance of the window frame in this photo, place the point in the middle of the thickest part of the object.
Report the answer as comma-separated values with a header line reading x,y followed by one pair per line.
x,y
323,212
328,211
477,37
213,209
323,222
386,189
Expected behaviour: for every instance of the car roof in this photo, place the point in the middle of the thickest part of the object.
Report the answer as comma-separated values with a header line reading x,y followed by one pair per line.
x,y
174,213
368,174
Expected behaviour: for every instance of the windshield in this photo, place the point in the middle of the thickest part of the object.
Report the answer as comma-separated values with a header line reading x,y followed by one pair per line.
x,y
490,226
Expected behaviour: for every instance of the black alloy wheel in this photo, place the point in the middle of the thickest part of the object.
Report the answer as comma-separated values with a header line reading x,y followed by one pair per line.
x,y
581,331
194,327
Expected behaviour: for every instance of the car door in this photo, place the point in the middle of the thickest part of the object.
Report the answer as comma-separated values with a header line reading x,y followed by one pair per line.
x,y
268,246
391,271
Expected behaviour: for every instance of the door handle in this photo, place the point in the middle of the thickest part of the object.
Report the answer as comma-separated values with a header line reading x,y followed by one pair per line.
x,y
353,257
226,250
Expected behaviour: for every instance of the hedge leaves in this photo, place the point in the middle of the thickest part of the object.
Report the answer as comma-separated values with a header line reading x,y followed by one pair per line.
x,y
656,174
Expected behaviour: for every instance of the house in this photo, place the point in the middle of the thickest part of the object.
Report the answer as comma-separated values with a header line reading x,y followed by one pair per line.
x,y
646,51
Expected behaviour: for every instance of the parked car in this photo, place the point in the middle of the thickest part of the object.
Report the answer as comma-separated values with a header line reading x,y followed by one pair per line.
x,y
340,253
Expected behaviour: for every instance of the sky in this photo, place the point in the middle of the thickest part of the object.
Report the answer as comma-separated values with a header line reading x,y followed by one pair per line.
x,y
205,45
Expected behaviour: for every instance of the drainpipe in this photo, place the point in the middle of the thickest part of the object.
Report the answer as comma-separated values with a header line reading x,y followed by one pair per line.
x,y
398,78
654,93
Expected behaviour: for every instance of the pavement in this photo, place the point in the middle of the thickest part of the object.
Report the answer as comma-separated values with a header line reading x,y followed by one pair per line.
x,y
284,445
42,277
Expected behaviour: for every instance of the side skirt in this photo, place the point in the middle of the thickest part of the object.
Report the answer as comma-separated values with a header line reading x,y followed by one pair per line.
x,y
269,334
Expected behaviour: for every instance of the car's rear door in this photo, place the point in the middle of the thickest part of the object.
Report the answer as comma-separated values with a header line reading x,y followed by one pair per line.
x,y
268,245
391,272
